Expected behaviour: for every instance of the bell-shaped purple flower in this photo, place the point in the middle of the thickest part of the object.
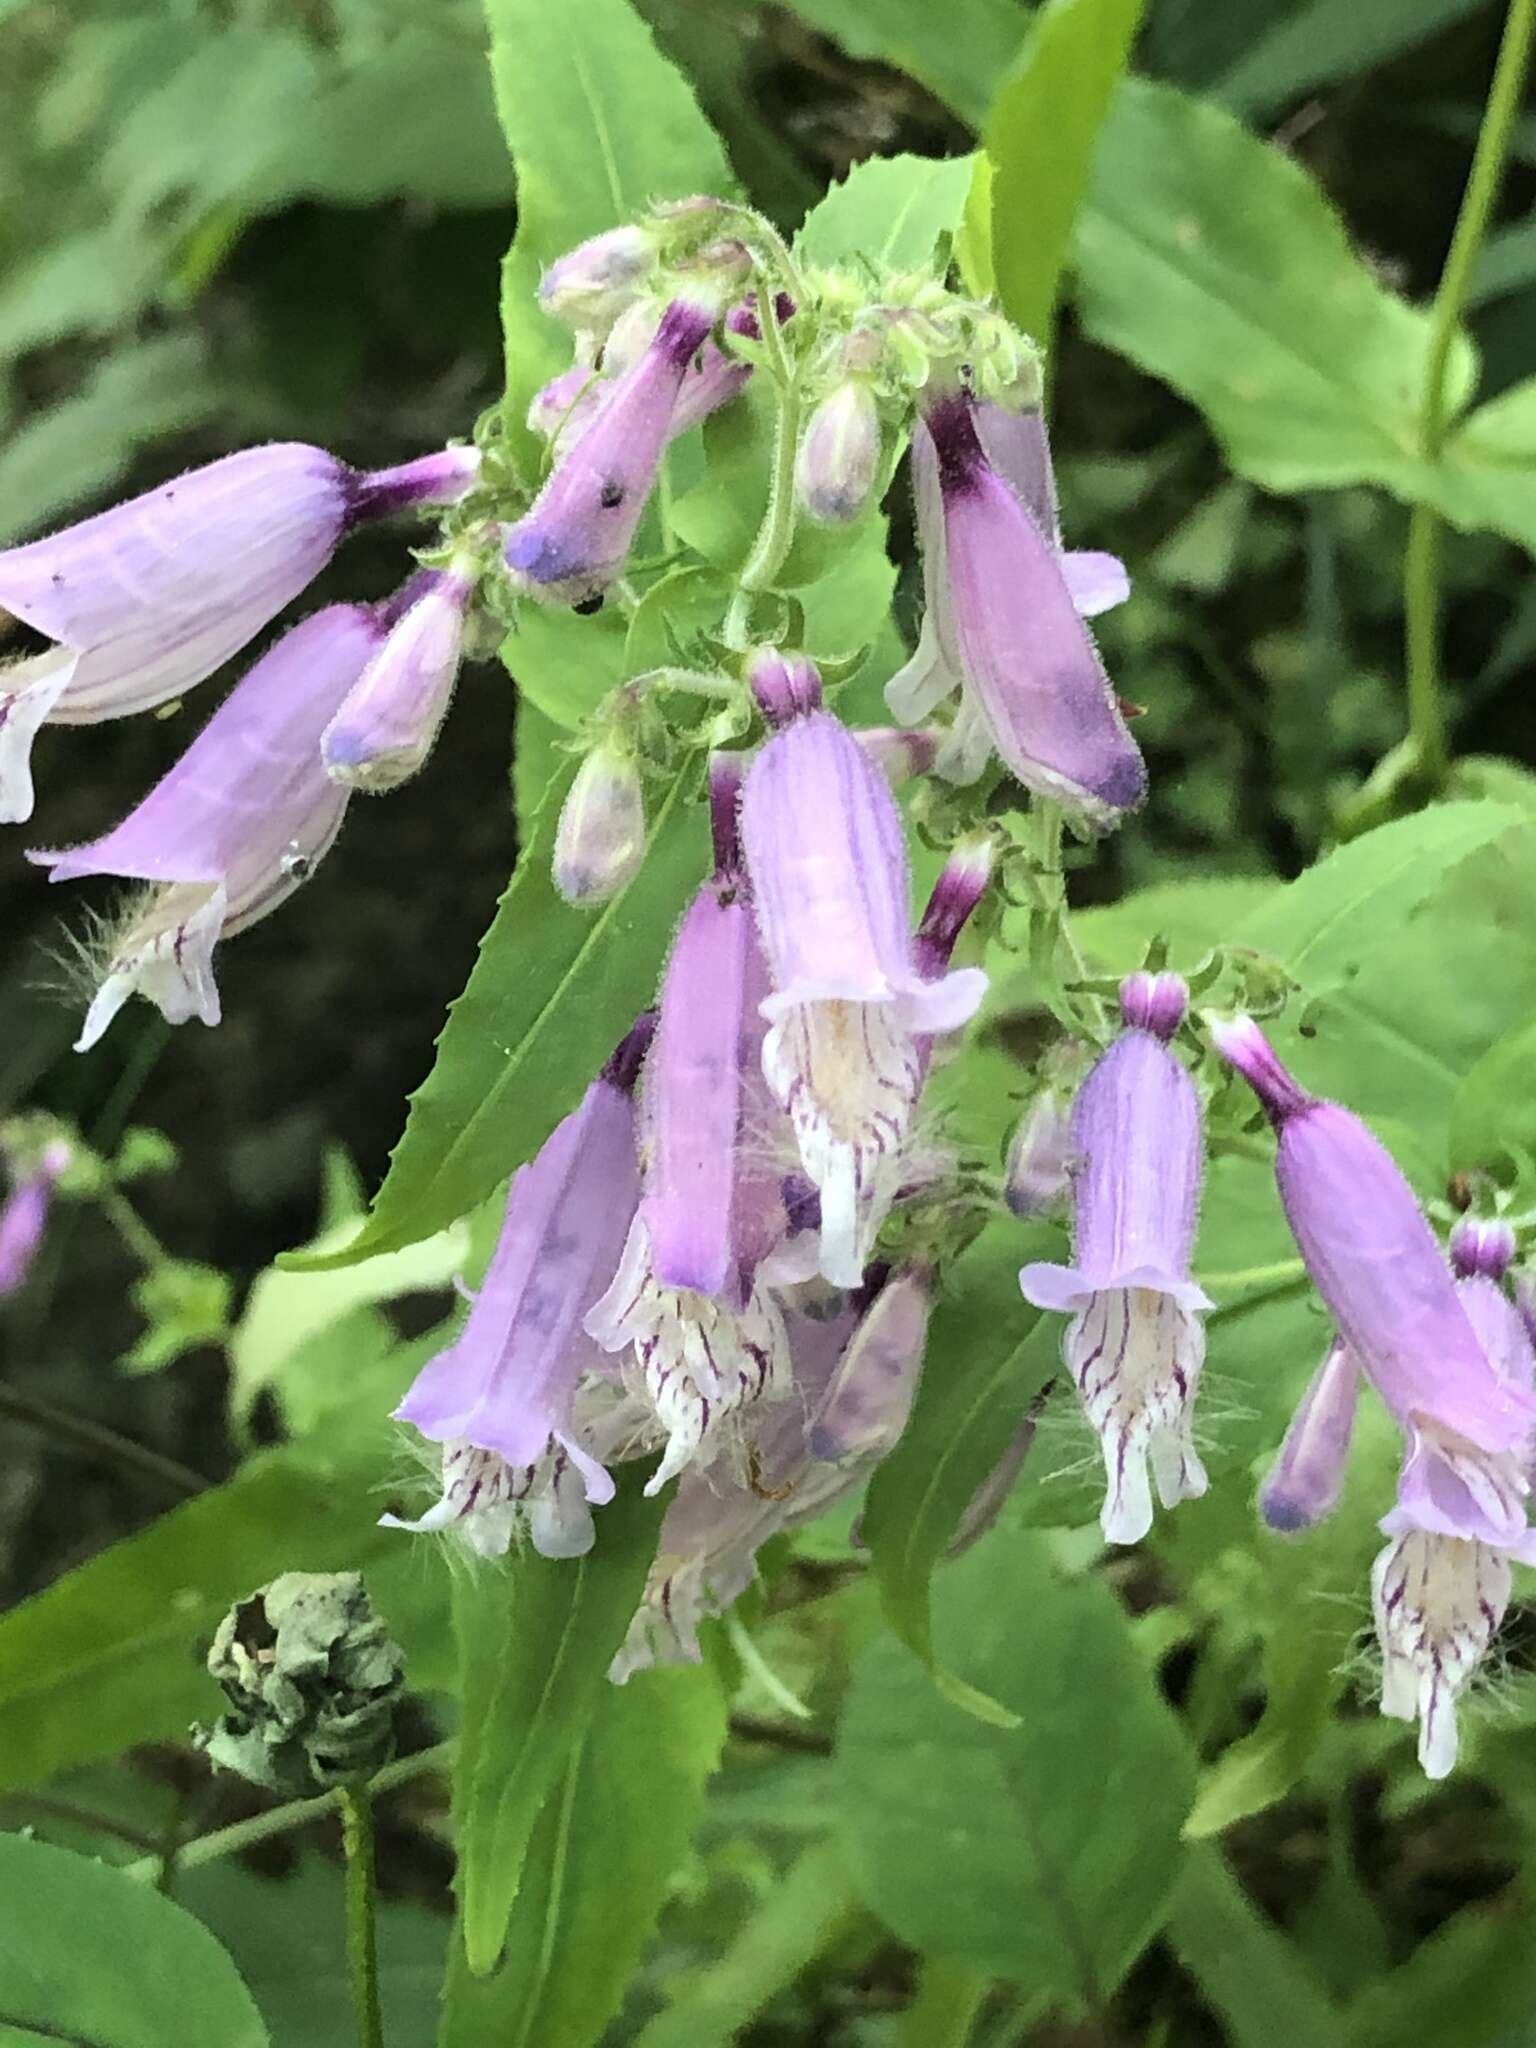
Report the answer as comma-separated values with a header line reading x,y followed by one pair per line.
x,y
855,1380
389,720
1004,624
851,1007
234,827
1135,1345
1307,1478
501,1399
1374,1260
147,599
24,1215
575,538
704,1336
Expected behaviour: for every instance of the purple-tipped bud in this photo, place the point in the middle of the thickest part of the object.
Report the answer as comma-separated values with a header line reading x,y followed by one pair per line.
x,y
840,454
390,718
576,537
1375,1261
1037,1175
500,1399
786,686
600,839
1307,1477
1482,1244
1157,1003
1135,1345
234,827
960,887
591,285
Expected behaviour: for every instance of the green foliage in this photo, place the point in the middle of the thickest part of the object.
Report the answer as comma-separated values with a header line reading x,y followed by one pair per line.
x,y
535,1639
1048,1852
598,1867
89,1955
1040,138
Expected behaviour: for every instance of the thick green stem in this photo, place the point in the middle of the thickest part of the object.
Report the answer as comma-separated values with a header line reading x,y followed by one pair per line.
x,y
1421,566
132,1229
362,1927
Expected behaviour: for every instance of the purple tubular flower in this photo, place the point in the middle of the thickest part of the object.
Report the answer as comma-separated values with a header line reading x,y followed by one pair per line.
x,y
500,1398
899,752
149,598
1003,622
850,1004
575,538
870,1395
1135,1345
389,720
24,1216
1374,1260
233,828
1306,1479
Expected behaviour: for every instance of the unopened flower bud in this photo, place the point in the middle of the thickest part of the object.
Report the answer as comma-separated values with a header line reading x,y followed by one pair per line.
x,y
390,718
312,1676
1037,1177
1482,1244
786,686
592,284
600,840
835,470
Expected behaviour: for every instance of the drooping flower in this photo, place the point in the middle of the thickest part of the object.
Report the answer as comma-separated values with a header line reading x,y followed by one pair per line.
x,y
149,598
1135,1345
839,454
575,538
850,1007
24,1214
233,828
389,720
702,1333
855,1378
501,1400
1004,622
600,837
1373,1258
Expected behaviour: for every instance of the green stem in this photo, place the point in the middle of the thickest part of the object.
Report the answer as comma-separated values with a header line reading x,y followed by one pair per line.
x,y
778,527
298,1813
362,1921
101,1442
132,1229
1421,567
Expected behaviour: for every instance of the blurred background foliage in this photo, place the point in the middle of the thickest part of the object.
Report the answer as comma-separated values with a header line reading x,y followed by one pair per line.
x,y
236,221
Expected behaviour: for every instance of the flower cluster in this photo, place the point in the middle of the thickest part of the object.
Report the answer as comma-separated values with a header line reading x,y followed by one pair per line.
x,y
721,1261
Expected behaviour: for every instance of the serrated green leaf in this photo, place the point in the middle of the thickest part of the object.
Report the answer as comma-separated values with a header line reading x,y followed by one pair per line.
x,y
988,1355
552,992
1214,261
1048,1852
536,1636
599,125
90,1956
1040,138
607,1842
888,212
